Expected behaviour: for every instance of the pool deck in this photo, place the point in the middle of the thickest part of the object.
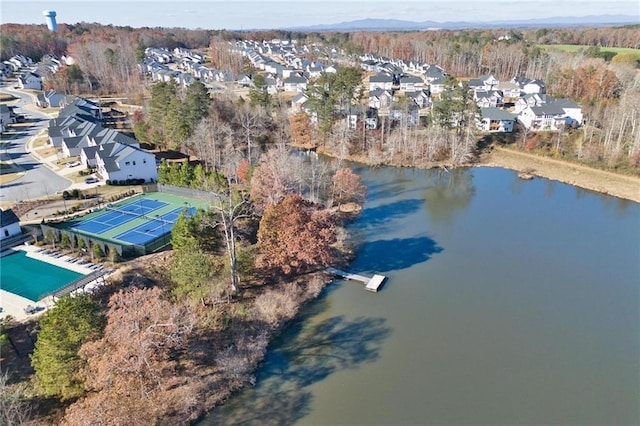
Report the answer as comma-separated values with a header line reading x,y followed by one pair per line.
x,y
15,305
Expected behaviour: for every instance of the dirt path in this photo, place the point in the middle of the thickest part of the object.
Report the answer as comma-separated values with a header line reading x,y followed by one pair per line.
x,y
627,187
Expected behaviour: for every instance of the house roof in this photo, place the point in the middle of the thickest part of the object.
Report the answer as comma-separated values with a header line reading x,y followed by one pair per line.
x,y
566,103
381,78
496,114
294,79
8,217
410,79
300,97
547,109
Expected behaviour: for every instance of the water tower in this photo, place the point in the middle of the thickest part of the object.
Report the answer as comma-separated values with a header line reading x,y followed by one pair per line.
x,y
51,20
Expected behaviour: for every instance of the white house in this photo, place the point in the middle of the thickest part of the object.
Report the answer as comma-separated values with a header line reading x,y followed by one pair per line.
x,y
9,224
437,86
508,89
488,99
295,83
534,86
380,98
421,98
495,120
544,117
116,161
30,80
572,111
298,101
410,83
380,81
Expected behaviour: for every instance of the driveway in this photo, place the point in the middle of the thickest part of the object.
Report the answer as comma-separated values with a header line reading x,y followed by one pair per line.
x,y
38,180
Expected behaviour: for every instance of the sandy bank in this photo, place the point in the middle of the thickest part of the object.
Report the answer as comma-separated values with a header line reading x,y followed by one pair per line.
x,y
627,187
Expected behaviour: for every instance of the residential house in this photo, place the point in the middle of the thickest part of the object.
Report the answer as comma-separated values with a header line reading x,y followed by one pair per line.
x,y
245,80
380,98
381,81
30,80
50,98
544,117
7,116
9,224
357,113
529,86
433,72
298,101
534,86
420,97
533,99
488,99
295,83
406,113
572,111
437,86
410,83
119,162
495,120
510,91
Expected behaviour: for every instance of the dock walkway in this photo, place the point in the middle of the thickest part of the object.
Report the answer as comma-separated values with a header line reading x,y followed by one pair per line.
x,y
372,283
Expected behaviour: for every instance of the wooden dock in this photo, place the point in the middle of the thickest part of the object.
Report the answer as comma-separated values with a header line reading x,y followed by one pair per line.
x,y
371,283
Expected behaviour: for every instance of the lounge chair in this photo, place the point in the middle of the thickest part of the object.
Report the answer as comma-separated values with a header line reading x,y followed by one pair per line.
x,y
29,309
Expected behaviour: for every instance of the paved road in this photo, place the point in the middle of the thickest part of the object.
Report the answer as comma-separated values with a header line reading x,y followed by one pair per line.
x,y
38,180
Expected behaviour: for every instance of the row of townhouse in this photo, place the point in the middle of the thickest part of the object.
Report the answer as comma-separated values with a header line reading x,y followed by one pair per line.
x,y
14,64
77,131
192,70
7,116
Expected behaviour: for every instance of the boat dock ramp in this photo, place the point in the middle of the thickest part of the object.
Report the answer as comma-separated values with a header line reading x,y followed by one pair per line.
x,y
371,283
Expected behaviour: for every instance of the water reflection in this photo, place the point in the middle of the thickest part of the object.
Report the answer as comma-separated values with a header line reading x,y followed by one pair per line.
x,y
305,354
395,254
448,192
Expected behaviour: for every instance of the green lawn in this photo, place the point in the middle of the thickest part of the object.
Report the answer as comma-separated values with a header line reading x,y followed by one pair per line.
x,y
576,47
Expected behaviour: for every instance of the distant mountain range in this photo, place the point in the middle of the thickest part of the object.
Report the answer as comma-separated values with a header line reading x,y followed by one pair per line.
x,y
399,25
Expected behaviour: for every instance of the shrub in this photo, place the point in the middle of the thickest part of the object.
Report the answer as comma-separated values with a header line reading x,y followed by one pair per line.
x,y
276,305
66,195
97,251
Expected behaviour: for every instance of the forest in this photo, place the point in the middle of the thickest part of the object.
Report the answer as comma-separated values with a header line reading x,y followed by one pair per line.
x,y
188,326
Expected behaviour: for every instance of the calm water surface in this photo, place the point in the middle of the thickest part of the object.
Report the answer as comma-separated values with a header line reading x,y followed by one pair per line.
x,y
508,302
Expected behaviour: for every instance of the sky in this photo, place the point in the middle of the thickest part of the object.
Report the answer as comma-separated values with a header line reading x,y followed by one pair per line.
x,y
267,14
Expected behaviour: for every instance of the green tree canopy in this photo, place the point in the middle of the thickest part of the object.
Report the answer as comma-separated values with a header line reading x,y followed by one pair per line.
x,y
63,330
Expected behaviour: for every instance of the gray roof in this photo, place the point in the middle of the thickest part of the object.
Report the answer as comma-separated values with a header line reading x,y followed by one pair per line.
x,y
8,217
548,109
496,114
381,78
566,103
410,79
295,79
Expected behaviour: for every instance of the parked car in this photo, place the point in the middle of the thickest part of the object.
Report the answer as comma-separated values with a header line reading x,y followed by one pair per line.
x,y
73,164
90,179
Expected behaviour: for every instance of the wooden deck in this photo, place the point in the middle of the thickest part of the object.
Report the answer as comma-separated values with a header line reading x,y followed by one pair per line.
x,y
371,283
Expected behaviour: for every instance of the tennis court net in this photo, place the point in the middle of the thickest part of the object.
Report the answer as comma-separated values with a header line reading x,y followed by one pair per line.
x,y
127,212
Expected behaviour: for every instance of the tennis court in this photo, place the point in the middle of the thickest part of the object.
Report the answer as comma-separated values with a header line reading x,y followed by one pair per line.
x,y
144,220
116,216
157,226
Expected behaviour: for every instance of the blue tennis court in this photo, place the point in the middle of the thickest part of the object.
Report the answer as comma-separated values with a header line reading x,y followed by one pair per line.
x,y
116,216
155,227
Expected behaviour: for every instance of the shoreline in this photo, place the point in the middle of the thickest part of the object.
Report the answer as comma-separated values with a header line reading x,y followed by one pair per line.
x,y
601,181
583,176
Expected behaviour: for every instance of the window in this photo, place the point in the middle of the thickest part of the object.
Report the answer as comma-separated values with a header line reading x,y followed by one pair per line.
x,y
6,233
134,163
127,163
144,161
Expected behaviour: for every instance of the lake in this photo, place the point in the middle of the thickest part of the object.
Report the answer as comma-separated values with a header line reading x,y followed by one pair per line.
x,y
508,302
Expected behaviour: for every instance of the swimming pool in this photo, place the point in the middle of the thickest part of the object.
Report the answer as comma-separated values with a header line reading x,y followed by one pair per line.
x,y
31,278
